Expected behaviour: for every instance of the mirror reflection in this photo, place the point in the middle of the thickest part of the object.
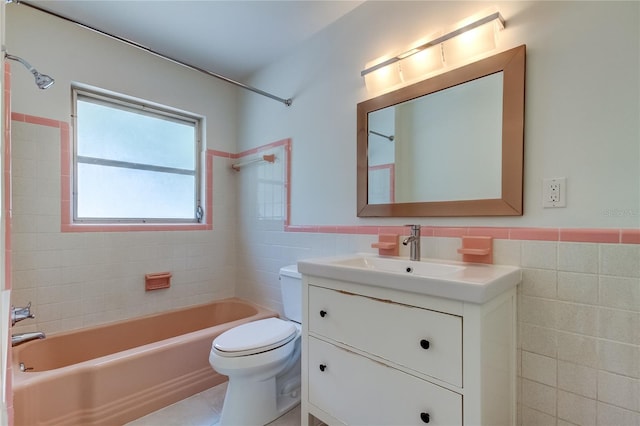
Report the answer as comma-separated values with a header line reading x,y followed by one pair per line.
x,y
454,132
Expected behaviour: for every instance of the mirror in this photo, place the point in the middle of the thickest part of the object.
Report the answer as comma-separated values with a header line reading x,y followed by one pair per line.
x,y
451,145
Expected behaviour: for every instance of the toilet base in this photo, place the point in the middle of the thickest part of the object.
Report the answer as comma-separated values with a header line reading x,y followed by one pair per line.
x,y
256,404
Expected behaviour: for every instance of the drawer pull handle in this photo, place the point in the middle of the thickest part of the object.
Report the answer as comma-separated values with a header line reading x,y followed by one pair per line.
x,y
323,367
323,313
425,417
424,344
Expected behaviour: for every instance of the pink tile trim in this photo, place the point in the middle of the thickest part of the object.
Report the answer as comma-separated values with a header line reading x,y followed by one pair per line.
x,y
323,229
131,228
590,235
369,230
544,234
623,236
300,228
398,230
287,183
630,236
450,232
32,119
217,153
282,142
498,233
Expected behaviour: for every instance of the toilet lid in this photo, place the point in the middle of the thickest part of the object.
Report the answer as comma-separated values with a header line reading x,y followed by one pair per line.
x,y
256,336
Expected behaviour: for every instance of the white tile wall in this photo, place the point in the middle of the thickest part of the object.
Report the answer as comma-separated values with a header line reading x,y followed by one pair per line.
x,y
81,279
591,326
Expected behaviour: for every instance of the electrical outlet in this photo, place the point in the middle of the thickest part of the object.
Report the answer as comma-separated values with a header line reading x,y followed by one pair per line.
x,y
554,192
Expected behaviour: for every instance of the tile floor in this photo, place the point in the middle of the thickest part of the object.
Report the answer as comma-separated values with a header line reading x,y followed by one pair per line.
x,y
203,409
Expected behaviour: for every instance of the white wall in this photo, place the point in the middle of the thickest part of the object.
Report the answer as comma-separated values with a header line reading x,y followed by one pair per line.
x,y
581,114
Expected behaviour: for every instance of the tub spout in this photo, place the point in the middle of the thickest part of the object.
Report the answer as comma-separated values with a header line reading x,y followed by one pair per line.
x,y
17,339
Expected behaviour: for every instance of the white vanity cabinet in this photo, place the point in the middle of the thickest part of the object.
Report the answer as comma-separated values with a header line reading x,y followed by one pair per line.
x,y
378,356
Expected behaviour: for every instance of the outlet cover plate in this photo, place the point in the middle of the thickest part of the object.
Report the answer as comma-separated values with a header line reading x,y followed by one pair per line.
x,y
554,192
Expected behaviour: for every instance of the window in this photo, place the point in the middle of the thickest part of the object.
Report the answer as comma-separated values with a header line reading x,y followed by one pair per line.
x,y
134,162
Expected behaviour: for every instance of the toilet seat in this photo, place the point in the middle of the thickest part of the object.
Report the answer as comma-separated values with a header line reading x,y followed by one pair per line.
x,y
254,337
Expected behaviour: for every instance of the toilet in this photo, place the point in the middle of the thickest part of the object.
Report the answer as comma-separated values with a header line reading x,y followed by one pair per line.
x,y
262,361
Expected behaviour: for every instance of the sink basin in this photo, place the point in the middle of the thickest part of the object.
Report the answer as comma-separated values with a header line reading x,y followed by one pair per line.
x,y
400,265
467,282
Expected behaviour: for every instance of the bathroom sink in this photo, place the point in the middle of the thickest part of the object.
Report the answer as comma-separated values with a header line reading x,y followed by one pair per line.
x,y
400,265
468,282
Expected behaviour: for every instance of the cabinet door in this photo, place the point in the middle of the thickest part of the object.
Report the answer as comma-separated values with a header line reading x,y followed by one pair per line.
x,y
425,341
358,391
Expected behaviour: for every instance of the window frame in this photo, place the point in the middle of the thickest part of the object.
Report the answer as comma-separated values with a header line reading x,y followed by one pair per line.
x,y
128,103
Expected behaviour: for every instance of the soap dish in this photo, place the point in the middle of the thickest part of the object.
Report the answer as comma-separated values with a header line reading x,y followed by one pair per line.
x,y
477,249
157,281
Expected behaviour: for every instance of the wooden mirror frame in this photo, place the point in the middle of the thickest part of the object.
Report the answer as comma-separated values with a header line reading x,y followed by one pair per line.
x,y
512,63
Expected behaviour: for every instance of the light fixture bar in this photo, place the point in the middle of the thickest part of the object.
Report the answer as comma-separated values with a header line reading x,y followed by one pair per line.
x,y
481,21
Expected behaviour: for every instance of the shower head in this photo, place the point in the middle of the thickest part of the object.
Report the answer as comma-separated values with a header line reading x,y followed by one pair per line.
x,y
43,81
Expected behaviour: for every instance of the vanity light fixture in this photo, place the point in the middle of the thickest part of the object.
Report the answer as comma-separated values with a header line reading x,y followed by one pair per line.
x,y
433,52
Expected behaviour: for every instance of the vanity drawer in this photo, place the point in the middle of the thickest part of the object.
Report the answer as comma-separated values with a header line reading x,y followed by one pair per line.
x,y
358,391
422,340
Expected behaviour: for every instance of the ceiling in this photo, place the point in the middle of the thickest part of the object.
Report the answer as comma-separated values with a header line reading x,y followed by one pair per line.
x,y
233,38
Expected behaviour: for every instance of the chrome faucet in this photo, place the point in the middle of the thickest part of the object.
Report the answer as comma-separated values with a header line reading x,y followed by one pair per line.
x,y
414,240
19,314
17,339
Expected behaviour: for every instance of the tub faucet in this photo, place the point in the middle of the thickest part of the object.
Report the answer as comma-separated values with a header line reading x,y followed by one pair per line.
x,y
19,314
20,338
414,240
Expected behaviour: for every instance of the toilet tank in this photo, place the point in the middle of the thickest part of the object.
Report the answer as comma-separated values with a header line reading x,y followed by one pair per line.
x,y
291,289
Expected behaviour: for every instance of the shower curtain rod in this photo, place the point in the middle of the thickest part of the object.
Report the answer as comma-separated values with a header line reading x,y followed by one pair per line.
x,y
287,101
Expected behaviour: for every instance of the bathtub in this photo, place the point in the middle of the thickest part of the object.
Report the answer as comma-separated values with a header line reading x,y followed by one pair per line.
x,y
114,373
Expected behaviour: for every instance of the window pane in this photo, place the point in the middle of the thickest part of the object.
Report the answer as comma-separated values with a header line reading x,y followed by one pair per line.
x,y
120,134
115,192
134,161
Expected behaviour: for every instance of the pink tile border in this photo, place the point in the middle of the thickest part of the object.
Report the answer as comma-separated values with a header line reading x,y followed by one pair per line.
x,y
590,235
595,235
41,121
65,189
495,232
542,234
630,236
611,236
